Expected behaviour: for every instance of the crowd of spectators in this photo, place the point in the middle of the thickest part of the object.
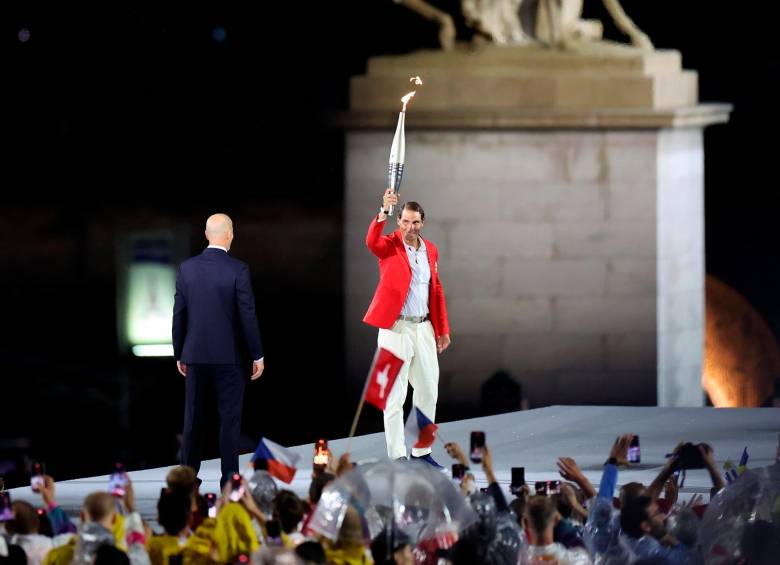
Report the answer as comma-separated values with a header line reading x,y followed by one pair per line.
x,y
254,521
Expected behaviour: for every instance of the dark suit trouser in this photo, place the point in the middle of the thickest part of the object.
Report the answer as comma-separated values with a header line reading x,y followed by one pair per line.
x,y
229,382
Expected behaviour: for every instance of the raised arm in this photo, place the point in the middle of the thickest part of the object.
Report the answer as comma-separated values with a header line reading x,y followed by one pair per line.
x,y
381,246
570,471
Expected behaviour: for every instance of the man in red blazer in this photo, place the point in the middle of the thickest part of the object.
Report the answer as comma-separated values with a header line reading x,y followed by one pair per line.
x,y
410,311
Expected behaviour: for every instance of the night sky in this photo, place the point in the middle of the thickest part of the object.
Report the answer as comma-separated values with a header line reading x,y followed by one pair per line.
x,y
134,115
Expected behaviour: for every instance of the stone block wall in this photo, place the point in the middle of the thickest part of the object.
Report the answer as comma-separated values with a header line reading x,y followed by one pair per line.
x,y
572,259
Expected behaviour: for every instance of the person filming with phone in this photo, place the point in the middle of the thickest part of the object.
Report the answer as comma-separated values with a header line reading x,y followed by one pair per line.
x,y
479,454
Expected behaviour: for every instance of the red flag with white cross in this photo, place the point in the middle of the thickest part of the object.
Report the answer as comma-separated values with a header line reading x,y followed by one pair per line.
x,y
382,377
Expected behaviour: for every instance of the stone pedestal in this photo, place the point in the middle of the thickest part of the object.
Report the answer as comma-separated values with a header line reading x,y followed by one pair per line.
x,y
571,232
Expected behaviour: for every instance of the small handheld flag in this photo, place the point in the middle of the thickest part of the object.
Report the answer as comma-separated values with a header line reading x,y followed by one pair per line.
x,y
282,463
382,378
420,430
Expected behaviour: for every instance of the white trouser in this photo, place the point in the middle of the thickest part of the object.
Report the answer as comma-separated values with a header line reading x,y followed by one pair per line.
x,y
415,343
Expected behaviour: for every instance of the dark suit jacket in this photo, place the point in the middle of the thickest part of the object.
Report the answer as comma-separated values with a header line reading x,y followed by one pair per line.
x,y
214,318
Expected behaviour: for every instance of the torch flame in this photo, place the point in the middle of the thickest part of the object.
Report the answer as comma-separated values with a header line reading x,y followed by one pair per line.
x,y
406,99
416,80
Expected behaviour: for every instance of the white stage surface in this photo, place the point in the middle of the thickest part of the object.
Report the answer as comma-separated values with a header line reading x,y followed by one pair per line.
x,y
533,439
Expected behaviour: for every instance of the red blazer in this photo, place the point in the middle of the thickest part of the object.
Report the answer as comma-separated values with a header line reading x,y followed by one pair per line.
x,y
395,276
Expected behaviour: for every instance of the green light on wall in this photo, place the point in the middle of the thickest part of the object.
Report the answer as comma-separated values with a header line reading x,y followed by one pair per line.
x,y
146,287
150,303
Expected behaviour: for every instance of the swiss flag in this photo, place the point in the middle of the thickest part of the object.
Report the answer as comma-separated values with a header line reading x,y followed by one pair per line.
x,y
382,377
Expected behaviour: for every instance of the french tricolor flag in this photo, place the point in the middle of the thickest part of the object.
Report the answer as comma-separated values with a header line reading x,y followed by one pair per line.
x,y
420,430
282,463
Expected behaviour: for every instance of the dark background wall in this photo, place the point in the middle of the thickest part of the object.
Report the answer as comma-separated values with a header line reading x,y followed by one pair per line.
x,y
133,116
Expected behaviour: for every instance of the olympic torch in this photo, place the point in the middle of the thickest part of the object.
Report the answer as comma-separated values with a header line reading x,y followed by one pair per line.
x,y
395,167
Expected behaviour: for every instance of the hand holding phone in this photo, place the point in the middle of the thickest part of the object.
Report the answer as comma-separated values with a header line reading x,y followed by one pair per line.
x,y
117,481
633,451
458,471
37,480
518,480
211,504
477,443
236,488
546,488
6,510
468,485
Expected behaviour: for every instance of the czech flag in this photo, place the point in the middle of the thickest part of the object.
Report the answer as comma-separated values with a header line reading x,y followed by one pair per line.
x,y
282,463
420,431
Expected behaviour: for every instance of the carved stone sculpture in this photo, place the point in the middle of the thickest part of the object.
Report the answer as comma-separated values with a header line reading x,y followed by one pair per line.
x,y
556,23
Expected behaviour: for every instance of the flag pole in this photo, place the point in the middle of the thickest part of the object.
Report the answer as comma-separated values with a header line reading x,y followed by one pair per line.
x,y
362,401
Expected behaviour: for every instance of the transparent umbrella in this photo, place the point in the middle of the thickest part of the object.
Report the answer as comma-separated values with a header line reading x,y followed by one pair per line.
x,y
263,489
496,532
742,523
406,495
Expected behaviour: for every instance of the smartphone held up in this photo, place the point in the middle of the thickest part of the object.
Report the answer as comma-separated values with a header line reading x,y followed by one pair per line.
x,y
211,504
477,444
633,451
37,479
236,488
6,510
458,471
518,480
117,481
546,488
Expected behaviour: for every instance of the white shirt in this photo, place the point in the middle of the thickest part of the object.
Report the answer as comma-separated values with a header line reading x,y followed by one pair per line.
x,y
225,250
35,546
417,299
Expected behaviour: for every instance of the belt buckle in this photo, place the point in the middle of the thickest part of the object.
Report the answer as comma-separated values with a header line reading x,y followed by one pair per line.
x,y
414,319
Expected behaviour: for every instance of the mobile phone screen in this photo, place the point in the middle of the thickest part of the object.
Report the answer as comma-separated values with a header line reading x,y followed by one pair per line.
x,y
117,481
633,451
518,480
477,443
546,488
236,489
37,480
458,470
6,512
211,504
116,484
